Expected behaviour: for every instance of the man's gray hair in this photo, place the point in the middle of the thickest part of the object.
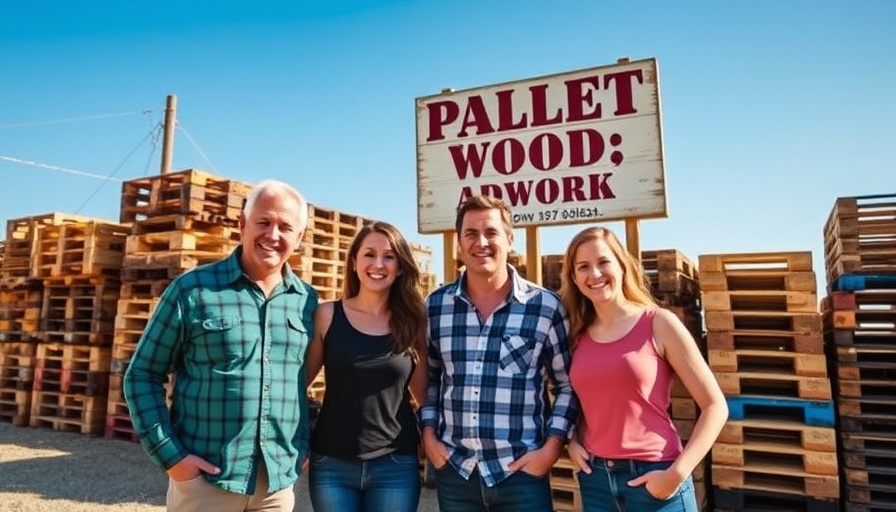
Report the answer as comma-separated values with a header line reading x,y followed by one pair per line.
x,y
274,187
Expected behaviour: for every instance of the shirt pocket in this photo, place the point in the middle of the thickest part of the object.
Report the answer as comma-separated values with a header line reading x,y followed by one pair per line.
x,y
296,338
217,338
516,353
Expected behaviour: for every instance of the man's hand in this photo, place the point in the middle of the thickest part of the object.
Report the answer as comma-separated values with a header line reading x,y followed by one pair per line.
x,y
190,467
539,462
435,450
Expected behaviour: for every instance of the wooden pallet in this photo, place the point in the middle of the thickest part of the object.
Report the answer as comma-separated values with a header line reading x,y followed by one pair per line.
x,y
17,365
760,300
765,340
868,387
866,338
803,365
68,412
15,406
20,312
792,433
78,309
187,223
92,248
860,235
775,478
879,496
774,385
146,289
805,323
21,243
777,453
174,241
171,264
670,273
784,271
876,418
189,192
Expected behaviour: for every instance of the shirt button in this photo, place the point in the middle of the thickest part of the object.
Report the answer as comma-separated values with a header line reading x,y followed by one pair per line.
x,y
610,463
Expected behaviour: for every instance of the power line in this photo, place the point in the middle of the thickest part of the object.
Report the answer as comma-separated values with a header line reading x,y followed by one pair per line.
x,y
118,168
196,146
70,119
58,168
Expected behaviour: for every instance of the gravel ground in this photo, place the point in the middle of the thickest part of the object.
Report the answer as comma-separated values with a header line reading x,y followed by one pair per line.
x,y
43,470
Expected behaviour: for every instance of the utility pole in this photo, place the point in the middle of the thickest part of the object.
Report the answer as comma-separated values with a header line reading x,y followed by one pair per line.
x,y
168,134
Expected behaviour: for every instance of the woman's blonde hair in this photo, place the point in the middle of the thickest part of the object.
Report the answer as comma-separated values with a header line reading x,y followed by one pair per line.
x,y
635,285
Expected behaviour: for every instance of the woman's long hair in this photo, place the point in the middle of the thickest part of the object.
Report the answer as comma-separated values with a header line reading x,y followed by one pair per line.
x,y
407,321
635,285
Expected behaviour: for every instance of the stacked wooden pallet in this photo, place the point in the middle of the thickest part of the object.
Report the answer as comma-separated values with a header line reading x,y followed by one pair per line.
x,y
178,222
765,348
860,330
60,309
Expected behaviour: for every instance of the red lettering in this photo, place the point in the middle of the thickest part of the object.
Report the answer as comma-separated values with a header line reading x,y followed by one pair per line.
x,y
517,156
547,191
577,97
476,116
600,186
440,114
540,107
572,189
518,192
625,103
471,160
505,112
577,145
554,152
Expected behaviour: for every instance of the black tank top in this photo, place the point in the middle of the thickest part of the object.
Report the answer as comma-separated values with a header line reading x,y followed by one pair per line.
x,y
367,408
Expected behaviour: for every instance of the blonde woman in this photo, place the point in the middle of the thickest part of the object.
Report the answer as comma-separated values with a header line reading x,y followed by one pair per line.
x,y
625,351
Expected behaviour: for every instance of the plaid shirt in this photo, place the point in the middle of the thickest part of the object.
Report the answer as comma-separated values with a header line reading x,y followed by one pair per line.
x,y
238,360
487,397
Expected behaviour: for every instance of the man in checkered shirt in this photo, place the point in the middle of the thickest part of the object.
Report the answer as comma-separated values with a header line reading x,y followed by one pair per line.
x,y
490,427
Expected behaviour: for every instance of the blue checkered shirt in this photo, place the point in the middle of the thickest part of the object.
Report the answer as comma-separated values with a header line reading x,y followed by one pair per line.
x,y
238,360
487,398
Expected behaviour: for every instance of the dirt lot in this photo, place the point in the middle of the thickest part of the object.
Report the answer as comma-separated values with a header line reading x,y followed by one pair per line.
x,y
43,470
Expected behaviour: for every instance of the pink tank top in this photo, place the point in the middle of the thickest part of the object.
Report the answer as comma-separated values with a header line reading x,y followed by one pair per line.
x,y
624,388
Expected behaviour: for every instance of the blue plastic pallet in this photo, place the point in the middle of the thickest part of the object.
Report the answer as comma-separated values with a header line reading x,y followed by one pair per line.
x,y
816,413
859,282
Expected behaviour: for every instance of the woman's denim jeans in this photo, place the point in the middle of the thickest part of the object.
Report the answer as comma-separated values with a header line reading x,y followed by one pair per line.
x,y
388,483
606,489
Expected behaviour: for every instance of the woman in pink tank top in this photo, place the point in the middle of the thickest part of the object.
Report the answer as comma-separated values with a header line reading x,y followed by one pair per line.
x,y
625,351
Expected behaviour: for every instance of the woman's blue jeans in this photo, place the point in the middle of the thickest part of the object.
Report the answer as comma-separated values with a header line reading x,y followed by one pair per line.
x,y
388,483
606,489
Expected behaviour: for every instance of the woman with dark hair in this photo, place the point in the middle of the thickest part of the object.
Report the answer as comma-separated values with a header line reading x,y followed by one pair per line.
x,y
625,350
364,448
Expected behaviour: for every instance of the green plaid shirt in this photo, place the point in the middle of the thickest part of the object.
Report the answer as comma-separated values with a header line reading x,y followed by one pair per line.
x,y
239,365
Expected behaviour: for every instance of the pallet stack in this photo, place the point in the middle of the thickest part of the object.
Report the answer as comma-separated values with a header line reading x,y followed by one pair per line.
x,y
72,284
860,330
765,348
178,221
675,285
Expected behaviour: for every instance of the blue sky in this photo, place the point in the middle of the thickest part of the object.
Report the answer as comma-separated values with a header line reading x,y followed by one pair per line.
x,y
770,110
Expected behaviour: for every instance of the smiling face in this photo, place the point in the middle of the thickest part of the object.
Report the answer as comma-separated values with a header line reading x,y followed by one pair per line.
x,y
376,263
269,232
597,272
484,242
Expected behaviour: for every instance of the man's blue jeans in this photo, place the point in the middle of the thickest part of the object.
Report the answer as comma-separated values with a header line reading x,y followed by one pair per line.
x,y
387,483
606,489
520,491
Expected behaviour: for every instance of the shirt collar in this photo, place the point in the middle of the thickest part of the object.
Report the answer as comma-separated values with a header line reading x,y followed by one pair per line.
x,y
518,286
